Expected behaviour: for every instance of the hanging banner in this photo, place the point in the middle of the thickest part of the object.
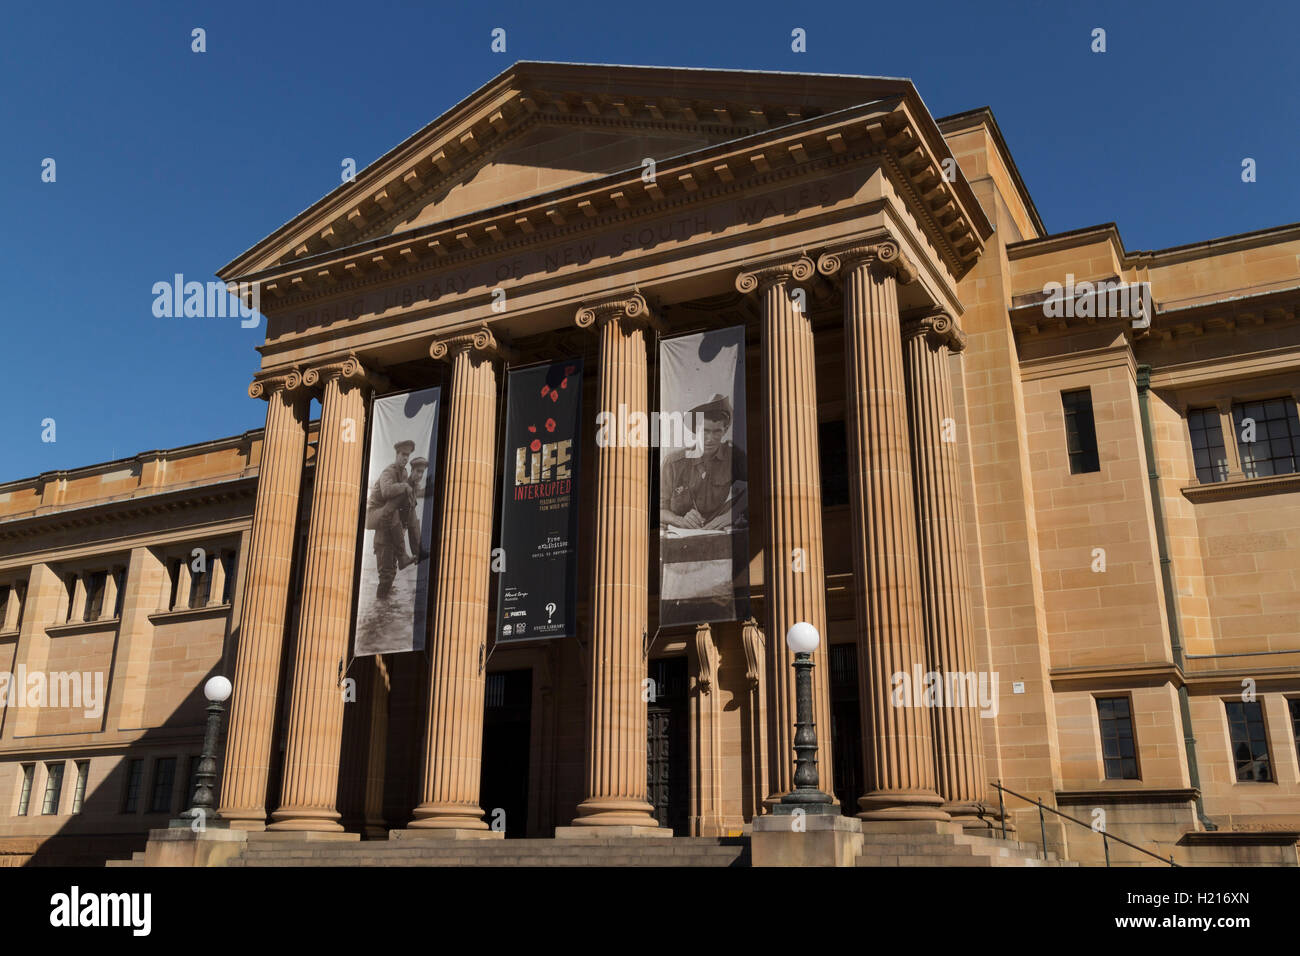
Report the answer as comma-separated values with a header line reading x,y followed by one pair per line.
x,y
393,588
537,590
703,479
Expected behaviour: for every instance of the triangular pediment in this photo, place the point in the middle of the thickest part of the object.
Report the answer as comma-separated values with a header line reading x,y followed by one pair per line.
x,y
539,127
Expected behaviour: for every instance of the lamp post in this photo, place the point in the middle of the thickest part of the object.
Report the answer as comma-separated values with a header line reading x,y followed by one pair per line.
x,y
803,639
203,812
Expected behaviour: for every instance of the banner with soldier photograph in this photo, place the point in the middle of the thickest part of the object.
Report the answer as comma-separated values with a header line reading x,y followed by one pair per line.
x,y
703,479
393,584
537,590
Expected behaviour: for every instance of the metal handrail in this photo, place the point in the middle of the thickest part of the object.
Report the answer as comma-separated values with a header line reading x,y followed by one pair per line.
x,y
1042,826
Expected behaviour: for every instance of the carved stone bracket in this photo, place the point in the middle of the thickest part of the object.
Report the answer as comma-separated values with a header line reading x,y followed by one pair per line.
x,y
481,340
763,274
264,386
623,307
879,251
939,328
752,637
706,652
349,371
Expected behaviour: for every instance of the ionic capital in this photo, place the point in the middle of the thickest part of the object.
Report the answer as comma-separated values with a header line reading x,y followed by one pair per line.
x,y
349,371
480,341
939,328
878,252
625,308
264,386
764,274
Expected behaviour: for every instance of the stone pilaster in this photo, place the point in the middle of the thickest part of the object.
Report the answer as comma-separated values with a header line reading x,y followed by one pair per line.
x,y
615,780
958,742
751,635
706,735
794,572
261,626
315,727
454,729
891,637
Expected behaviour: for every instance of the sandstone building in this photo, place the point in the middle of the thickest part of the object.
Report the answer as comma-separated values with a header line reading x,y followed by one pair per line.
x,y
982,475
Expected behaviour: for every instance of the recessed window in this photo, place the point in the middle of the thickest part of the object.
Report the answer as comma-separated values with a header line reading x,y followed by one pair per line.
x,y
79,794
229,563
164,781
131,790
1294,704
1249,742
25,798
95,584
1118,749
833,448
53,788
1208,451
1080,431
1268,437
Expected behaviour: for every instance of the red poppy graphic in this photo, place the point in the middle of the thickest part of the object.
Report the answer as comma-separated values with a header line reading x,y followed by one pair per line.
x,y
533,429
564,383
569,370
536,445
555,396
545,389
550,424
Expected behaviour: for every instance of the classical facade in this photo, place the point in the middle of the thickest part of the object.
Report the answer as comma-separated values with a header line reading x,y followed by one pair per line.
x,y
968,459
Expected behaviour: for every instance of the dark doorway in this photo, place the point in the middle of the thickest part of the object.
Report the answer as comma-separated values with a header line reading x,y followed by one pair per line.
x,y
846,727
668,745
506,730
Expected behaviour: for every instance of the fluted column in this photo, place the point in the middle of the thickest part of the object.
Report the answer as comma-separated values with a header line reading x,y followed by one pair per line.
x,y
616,711
454,729
314,737
794,572
269,560
958,745
891,636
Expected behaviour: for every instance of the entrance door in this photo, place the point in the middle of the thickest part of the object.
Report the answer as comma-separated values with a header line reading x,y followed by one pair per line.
x,y
668,746
846,727
507,725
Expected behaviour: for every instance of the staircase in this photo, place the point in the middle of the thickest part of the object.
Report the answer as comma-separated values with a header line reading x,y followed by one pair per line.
x,y
931,843
679,851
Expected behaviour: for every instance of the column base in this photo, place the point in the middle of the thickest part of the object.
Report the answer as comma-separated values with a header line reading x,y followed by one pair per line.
x,y
972,815
602,813
902,805
305,819
455,816
244,818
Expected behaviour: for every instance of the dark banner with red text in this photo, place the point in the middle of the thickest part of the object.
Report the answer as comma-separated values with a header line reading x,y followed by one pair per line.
x,y
537,588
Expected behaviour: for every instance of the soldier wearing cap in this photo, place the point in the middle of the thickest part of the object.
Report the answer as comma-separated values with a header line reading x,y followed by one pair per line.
x,y
389,513
705,491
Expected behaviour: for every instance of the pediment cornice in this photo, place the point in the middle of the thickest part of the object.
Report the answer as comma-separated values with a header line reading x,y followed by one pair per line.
x,y
724,107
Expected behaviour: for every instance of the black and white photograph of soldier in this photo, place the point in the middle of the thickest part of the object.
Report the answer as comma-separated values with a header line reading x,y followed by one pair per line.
x,y
703,479
393,590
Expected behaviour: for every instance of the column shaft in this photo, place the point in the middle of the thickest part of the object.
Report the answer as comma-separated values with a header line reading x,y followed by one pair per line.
x,y
891,637
454,728
261,639
314,737
794,571
959,750
616,712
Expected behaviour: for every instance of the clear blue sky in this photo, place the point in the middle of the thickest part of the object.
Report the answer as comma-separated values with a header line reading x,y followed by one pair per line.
x,y
170,161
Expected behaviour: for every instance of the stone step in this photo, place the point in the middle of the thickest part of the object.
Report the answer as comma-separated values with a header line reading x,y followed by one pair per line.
x,y
518,861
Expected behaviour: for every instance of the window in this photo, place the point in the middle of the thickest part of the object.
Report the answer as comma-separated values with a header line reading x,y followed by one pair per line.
x,y
230,562
119,578
131,792
1294,704
70,585
164,780
4,604
1249,743
53,787
833,448
1208,451
1080,431
25,798
95,584
79,794
201,582
1268,437
1118,751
